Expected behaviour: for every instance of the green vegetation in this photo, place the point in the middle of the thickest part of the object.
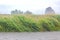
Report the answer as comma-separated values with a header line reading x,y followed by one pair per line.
x,y
29,23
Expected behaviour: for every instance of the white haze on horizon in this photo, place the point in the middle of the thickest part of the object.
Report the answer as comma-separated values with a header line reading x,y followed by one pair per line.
x,y
35,6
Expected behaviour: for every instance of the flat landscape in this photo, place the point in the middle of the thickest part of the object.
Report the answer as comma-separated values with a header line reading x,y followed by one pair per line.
x,y
30,36
29,19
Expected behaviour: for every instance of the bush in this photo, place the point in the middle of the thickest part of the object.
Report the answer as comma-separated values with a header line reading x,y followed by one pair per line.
x,y
30,23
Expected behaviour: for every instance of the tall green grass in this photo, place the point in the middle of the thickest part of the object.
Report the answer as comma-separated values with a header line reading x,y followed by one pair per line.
x,y
29,23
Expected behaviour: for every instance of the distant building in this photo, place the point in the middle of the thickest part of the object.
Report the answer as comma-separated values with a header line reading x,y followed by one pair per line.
x,y
49,10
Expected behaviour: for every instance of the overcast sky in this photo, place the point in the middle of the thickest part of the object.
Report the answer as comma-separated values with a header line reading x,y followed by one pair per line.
x,y
36,6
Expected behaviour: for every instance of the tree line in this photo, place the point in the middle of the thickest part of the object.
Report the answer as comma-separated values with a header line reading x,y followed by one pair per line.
x,y
20,12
